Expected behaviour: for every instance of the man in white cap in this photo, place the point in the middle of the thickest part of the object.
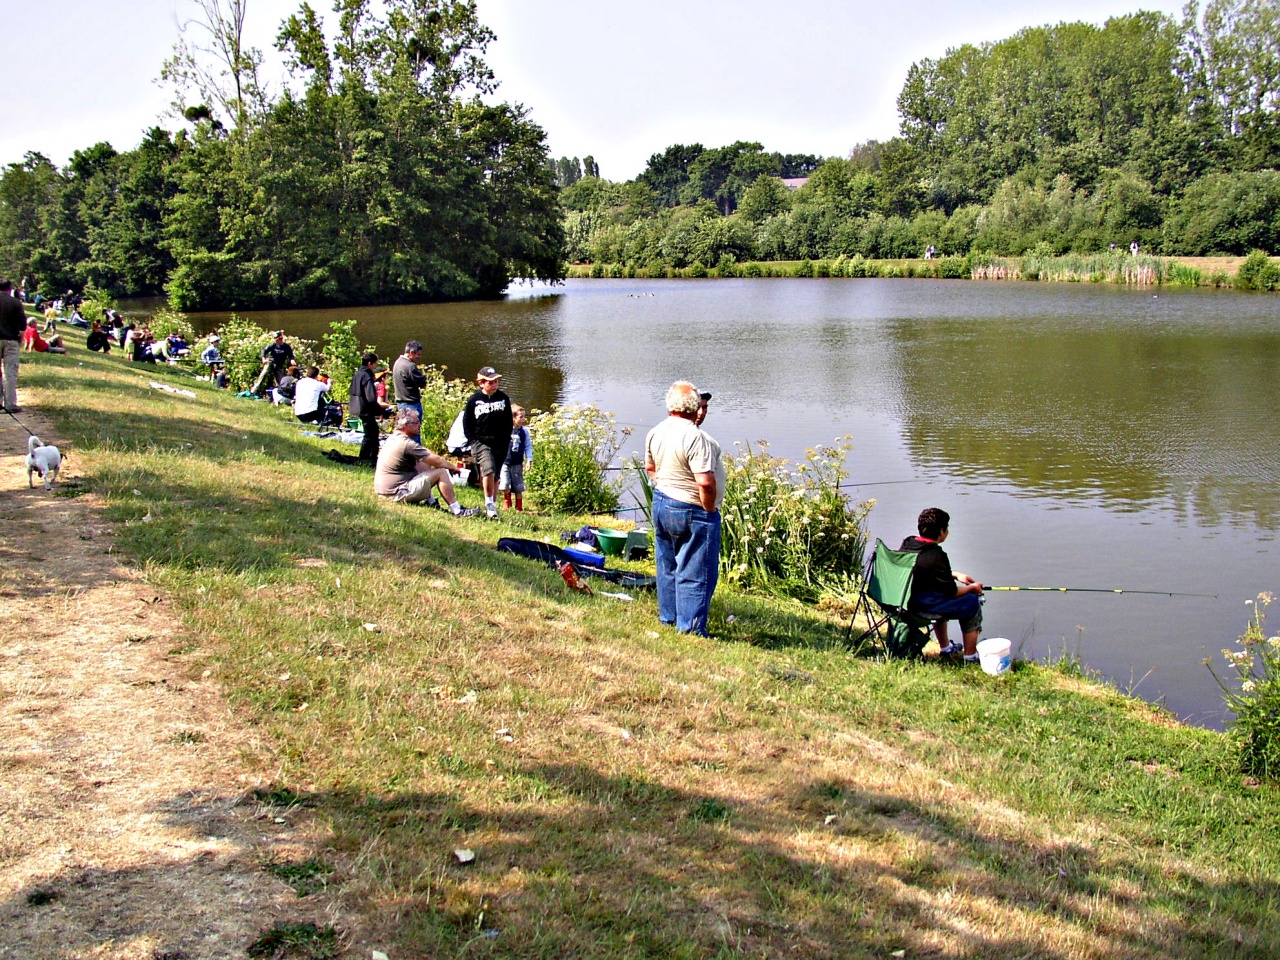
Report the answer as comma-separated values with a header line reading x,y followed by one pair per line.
x,y
212,357
487,422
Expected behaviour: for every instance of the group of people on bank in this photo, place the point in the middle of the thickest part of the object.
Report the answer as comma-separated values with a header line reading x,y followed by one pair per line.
x,y
684,462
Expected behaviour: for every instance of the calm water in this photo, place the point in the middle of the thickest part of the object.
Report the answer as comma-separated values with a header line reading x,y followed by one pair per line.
x,y
1079,435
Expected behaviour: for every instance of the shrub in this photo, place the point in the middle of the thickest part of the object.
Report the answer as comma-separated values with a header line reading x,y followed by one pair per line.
x,y
1256,702
442,400
697,270
822,269
241,348
342,353
954,268
790,531
94,302
751,269
1258,272
804,269
574,446
1181,275
168,321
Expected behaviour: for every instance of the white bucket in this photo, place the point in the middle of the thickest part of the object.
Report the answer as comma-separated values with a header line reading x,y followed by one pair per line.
x,y
995,655
462,477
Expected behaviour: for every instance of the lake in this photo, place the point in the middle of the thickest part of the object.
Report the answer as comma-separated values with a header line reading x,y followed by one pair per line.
x,y
1079,435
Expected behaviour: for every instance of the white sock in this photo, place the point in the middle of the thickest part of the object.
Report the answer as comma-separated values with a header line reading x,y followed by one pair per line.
x,y
490,502
455,508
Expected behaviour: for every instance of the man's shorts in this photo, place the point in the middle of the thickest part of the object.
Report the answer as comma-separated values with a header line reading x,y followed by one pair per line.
x,y
965,607
512,477
486,457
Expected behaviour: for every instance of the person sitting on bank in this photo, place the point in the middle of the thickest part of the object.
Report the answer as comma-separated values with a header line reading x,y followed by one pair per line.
x,y
937,591
97,339
306,396
31,340
407,471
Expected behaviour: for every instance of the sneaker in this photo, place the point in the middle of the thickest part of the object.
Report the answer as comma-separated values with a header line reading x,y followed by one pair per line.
x,y
467,512
433,503
951,650
970,658
491,511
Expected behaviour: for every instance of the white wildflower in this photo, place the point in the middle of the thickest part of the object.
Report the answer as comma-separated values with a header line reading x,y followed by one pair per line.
x,y
1248,686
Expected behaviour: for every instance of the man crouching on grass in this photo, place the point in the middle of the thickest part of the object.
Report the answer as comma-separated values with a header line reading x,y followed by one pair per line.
x,y
407,470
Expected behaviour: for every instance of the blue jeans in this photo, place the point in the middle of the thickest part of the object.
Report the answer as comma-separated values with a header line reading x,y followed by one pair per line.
x,y
686,549
966,607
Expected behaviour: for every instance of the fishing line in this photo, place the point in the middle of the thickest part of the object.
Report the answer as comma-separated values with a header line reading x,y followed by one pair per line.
x,y
1153,593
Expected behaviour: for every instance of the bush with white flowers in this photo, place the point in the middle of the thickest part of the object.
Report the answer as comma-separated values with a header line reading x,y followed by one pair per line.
x,y
788,528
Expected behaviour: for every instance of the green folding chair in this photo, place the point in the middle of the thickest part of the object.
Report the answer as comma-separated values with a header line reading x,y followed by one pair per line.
x,y
886,588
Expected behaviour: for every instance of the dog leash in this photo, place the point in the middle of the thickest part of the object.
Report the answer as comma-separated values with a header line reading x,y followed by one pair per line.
x,y
17,421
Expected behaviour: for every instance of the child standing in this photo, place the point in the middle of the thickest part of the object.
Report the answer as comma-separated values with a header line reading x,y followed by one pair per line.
x,y
511,481
486,420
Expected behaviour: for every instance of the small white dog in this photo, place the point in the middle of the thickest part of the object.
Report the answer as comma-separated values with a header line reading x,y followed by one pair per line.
x,y
43,460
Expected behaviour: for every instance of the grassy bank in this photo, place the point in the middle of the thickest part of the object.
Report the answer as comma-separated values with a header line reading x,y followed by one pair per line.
x,y
627,791
1089,268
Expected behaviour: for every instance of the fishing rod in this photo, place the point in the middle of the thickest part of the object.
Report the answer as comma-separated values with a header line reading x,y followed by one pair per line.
x,y
1154,593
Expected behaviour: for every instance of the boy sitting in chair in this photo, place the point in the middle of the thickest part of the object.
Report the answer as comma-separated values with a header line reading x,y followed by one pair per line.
x,y
937,592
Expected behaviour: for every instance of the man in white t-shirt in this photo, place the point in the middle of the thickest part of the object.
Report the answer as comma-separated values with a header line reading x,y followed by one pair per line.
x,y
306,396
687,471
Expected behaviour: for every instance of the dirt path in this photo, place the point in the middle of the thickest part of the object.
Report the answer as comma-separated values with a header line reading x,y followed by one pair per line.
x,y
128,827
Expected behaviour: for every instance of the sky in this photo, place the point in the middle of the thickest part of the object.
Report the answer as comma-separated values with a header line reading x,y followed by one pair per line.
x,y
617,81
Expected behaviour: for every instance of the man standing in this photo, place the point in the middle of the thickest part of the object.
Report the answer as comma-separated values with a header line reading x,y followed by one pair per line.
x,y
688,477
366,405
408,380
487,422
13,321
407,470
276,357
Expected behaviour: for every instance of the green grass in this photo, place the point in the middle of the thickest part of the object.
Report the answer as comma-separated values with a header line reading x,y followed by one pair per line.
x,y
631,792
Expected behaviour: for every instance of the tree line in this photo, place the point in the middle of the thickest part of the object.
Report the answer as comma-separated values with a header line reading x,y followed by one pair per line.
x,y
376,175
1065,138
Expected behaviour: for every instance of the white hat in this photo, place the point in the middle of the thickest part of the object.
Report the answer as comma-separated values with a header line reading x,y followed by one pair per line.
x,y
214,338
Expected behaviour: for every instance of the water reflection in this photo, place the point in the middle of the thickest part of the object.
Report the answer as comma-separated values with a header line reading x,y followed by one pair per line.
x,y
1129,415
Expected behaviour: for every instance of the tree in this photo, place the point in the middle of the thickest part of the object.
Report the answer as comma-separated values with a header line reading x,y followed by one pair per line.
x,y
211,58
667,173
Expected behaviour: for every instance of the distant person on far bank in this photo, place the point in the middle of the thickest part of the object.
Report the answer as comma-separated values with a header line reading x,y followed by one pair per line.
x,y
13,322
487,422
687,471
407,471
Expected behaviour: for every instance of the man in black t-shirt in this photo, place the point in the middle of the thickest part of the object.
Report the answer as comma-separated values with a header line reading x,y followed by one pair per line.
x,y
276,357
486,420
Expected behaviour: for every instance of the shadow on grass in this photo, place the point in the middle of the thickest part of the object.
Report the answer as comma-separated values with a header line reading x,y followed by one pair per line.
x,y
622,866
